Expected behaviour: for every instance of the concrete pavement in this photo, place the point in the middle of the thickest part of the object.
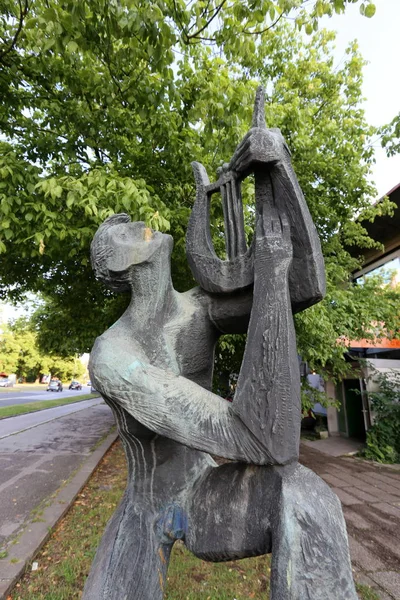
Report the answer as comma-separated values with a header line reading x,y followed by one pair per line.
x,y
370,495
45,459
335,446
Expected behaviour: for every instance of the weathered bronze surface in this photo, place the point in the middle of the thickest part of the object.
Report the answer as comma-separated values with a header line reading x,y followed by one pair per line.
x,y
154,368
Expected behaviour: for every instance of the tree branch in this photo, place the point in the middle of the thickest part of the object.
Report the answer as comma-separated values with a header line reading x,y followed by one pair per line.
x,y
247,32
22,14
197,33
203,13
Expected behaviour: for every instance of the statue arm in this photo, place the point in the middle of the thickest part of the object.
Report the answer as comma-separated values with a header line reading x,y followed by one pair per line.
x,y
175,407
267,397
286,187
230,313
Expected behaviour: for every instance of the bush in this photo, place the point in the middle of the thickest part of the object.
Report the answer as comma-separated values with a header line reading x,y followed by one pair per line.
x,y
383,438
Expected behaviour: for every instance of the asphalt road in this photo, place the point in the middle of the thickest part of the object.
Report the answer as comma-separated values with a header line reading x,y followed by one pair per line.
x,y
39,452
11,398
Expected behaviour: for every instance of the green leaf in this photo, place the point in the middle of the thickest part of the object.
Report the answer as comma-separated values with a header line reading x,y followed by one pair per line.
x,y
370,10
72,46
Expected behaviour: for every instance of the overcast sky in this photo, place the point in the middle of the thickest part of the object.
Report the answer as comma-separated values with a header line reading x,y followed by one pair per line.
x,y
379,42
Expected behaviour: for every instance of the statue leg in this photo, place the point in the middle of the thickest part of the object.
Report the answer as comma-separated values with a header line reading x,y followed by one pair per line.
x,y
229,512
132,560
310,554
238,511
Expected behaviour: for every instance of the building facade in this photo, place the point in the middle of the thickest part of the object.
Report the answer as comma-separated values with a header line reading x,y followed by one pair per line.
x,y
355,415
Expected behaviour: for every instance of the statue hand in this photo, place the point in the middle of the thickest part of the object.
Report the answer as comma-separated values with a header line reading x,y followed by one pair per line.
x,y
273,245
259,146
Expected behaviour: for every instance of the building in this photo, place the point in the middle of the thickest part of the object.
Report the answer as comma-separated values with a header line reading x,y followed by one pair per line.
x,y
355,415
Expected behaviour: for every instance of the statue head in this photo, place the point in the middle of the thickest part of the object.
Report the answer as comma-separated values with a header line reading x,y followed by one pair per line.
x,y
121,245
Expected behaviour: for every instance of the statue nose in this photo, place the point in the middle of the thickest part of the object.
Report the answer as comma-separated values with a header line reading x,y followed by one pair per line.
x,y
147,234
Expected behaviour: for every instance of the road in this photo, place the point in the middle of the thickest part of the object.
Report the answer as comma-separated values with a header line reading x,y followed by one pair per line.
x,y
39,452
11,398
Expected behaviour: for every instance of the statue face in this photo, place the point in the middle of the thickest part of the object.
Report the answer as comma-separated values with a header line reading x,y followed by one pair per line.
x,y
133,244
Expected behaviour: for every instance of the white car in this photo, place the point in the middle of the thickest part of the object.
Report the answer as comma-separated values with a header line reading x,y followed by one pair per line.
x,y
55,386
5,382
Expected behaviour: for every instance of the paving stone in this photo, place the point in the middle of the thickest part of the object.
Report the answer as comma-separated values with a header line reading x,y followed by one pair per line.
x,y
351,479
378,492
363,557
355,519
389,542
357,493
383,487
390,581
371,506
346,498
389,509
374,516
392,481
333,480
390,490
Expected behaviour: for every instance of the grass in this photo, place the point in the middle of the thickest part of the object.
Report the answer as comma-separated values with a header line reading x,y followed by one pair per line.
x,y
366,593
192,579
64,562
22,409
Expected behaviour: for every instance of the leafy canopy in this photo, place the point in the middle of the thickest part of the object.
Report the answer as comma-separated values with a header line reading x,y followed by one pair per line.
x,y
20,354
105,104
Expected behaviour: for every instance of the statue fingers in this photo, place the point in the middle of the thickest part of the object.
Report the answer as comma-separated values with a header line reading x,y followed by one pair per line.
x,y
241,150
271,222
285,227
276,226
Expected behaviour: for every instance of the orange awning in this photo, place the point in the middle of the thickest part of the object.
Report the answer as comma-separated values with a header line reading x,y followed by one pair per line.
x,y
381,343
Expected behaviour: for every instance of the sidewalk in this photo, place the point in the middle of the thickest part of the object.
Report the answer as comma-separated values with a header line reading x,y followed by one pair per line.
x,y
334,446
370,495
43,465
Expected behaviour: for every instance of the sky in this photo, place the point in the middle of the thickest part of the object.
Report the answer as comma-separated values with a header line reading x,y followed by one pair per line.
x,y
379,44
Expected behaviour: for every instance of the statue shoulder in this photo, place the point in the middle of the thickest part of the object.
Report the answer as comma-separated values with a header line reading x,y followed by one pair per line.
x,y
115,349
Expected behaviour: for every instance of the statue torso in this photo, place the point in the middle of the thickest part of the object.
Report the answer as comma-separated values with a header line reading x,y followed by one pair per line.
x,y
183,343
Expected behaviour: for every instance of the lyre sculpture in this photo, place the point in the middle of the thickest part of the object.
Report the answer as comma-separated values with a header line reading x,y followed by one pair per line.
x,y
276,189
154,369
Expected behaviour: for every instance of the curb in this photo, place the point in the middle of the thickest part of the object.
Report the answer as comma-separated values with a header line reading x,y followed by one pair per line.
x,y
36,534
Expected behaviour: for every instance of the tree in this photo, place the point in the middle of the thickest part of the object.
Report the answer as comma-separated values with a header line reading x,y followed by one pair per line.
x,y
9,352
390,136
105,105
20,354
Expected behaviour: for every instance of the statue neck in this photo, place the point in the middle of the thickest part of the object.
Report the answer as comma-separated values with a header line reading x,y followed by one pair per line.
x,y
153,295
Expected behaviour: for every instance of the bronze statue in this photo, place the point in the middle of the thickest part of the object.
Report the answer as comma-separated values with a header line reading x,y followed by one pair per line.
x,y
154,368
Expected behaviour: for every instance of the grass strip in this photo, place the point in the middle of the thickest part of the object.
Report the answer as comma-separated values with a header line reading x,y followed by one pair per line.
x,y
21,409
64,562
